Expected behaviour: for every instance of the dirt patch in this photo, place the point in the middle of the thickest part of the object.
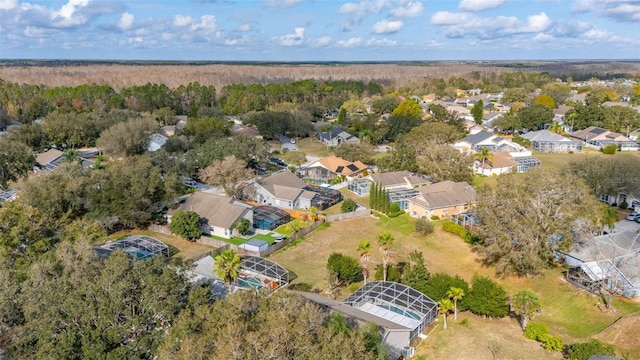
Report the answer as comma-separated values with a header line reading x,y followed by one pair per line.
x,y
625,334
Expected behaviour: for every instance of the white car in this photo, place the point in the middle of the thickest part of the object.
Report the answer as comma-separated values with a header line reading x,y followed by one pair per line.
x,y
633,216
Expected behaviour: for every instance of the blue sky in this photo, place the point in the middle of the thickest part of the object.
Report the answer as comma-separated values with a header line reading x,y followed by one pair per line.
x,y
320,30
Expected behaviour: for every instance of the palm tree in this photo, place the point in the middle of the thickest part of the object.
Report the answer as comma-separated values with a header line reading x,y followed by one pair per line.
x,y
444,307
484,155
226,266
455,294
364,248
69,155
556,127
385,239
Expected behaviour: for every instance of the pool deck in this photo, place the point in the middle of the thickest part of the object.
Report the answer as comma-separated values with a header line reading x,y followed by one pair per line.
x,y
390,315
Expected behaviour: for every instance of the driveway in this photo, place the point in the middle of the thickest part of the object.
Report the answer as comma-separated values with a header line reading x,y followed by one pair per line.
x,y
287,144
626,225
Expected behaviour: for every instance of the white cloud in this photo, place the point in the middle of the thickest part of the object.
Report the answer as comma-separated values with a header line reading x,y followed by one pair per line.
x,y
477,5
449,18
468,25
381,42
126,21
542,37
206,23
69,15
281,3
535,23
245,27
408,10
180,20
356,41
363,7
8,4
358,11
387,26
294,39
321,41
620,10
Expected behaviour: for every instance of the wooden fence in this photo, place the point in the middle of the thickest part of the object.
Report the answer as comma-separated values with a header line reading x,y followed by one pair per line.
x,y
277,246
362,212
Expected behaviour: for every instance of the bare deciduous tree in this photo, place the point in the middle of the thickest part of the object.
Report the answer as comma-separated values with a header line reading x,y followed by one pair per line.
x,y
230,173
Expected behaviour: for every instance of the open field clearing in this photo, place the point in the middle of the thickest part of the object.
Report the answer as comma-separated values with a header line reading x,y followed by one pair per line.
x,y
570,312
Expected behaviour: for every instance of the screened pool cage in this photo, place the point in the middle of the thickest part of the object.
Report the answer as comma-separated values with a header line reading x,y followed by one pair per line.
x,y
139,247
362,187
397,303
269,272
556,146
526,163
269,217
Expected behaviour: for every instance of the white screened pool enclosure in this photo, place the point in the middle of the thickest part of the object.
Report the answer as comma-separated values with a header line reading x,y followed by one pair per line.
x,y
397,303
138,246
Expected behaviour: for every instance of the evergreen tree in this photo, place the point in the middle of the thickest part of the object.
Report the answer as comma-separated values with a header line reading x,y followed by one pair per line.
x,y
487,298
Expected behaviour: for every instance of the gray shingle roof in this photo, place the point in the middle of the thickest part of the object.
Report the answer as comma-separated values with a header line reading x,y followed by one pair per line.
x,y
283,185
543,135
477,138
445,194
220,211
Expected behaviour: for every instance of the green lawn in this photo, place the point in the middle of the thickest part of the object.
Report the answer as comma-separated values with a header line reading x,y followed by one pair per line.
x,y
288,228
570,312
237,241
264,237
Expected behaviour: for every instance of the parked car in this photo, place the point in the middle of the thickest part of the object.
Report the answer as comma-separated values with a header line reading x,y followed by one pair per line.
x,y
277,161
633,216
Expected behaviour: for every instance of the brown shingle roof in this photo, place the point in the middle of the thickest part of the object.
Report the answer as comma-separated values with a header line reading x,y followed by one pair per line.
x,y
48,156
445,194
500,159
341,166
220,211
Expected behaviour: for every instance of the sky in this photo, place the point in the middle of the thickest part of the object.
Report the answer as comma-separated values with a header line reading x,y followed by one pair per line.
x,y
320,30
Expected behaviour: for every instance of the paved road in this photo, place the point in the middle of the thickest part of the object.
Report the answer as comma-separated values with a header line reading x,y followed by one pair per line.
x,y
626,225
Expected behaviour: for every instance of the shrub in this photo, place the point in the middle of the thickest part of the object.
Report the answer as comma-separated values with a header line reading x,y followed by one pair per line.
x,y
348,205
243,226
583,351
345,267
394,208
609,149
536,331
353,287
186,224
435,217
438,284
424,226
300,287
459,230
553,343
624,205
393,273
487,298
395,213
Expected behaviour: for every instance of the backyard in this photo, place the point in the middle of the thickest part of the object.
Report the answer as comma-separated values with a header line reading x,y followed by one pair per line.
x,y
570,313
179,248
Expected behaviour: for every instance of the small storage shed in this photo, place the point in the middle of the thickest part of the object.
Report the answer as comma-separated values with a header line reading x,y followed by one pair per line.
x,y
255,245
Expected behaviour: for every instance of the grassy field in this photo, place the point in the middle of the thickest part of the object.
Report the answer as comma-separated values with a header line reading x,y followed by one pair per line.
x,y
570,313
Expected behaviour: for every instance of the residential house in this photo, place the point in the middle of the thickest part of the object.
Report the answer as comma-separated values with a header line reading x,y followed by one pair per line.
x,y
49,159
331,167
336,136
8,195
442,199
546,141
598,138
507,155
400,180
156,141
611,260
218,213
633,202
560,114
283,190
400,185
634,135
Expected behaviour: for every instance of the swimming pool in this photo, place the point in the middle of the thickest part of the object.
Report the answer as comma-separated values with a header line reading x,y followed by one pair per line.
x,y
400,311
138,253
250,282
